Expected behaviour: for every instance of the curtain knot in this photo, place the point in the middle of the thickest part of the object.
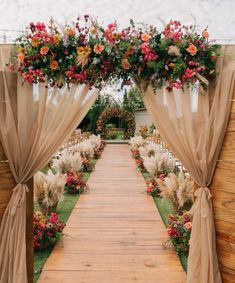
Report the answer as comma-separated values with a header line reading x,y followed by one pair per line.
x,y
198,193
19,191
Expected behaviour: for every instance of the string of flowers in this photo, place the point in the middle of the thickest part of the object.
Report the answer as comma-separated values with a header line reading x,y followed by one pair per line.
x,y
85,52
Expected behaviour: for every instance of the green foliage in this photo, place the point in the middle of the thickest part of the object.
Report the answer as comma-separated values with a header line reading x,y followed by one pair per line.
x,y
132,100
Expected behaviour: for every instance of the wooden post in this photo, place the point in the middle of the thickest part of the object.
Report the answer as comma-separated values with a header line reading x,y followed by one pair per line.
x,y
29,232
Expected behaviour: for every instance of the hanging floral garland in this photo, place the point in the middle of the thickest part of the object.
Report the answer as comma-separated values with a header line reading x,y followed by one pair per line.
x,y
85,52
109,113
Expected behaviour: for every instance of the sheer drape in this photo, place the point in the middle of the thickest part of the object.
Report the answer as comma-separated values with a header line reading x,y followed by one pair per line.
x,y
33,125
193,123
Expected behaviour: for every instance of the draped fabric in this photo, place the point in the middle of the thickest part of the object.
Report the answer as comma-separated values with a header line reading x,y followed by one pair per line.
x,y
34,122
193,123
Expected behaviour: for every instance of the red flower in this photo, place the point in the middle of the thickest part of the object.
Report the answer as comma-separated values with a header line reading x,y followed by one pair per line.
x,y
145,48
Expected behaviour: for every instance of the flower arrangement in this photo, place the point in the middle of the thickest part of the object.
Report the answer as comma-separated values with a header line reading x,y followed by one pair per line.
x,y
143,130
152,186
67,162
46,231
136,142
128,118
86,150
179,230
87,165
48,190
148,150
85,52
74,183
179,189
160,163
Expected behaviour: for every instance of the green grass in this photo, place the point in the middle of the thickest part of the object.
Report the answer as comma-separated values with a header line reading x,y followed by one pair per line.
x,y
64,210
166,207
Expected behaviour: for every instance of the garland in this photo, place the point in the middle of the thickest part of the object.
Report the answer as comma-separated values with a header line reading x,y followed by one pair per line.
x,y
85,52
128,118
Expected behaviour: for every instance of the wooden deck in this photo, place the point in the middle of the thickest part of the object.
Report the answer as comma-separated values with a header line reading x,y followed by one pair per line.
x,y
115,233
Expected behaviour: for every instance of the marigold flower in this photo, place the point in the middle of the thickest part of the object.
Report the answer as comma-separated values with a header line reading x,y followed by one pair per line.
x,y
145,37
44,50
192,49
34,41
126,64
84,50
98,48
205,34
20,57
56,39
54,65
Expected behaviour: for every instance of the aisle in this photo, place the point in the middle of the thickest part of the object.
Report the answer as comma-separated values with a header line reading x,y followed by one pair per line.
x,y
115,233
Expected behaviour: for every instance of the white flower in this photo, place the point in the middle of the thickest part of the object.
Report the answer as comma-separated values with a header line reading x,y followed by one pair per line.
x,y
136,142
174,50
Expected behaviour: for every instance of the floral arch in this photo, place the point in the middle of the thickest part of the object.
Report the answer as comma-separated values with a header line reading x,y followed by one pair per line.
x,y
173,59
127,117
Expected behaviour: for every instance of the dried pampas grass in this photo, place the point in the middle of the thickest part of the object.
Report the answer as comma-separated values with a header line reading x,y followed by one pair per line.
x,y
67,162
48,189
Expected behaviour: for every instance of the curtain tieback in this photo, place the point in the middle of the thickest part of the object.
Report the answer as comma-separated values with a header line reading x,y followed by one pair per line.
x,y
198,193
19,192
203,197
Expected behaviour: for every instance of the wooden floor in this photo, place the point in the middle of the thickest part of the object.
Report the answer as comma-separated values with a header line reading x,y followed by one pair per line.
x,y
115,233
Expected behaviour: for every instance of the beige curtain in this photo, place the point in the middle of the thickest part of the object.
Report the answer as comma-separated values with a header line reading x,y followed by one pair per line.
x,y
33,125
193,123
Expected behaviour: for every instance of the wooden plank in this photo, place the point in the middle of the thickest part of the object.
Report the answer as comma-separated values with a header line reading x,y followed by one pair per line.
x,y
115,232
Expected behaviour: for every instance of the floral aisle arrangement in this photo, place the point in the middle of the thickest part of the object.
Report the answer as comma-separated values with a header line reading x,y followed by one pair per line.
x,y
179,230
179,188
46,231
159,163
74,183
86,52
67,162
48,190
136,142
153,187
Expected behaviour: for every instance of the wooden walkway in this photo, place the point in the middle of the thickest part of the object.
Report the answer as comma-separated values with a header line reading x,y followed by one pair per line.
x,y
115,233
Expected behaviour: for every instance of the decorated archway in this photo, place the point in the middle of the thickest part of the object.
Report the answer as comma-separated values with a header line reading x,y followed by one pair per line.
x,y
126,116
164,65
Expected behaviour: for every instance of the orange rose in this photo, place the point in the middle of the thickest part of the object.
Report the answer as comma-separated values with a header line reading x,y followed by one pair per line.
x,y
44,50
71,32
205,34
145,37
98,48
188,225
56,39
35,42
20,57
54,65
125,64
171,65
192,49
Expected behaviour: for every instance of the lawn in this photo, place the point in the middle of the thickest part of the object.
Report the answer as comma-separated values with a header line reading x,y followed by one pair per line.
x,y
64,210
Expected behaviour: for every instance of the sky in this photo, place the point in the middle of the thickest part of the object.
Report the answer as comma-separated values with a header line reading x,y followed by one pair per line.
x,y
218,15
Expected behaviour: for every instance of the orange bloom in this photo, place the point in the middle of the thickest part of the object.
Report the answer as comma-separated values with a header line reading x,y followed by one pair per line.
x,y
205,34
71,32
93,30
20,50
35,42
84,50
126,64
20,57
54,65
98,48
192,49
56,39
145,37
44,50
188,225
